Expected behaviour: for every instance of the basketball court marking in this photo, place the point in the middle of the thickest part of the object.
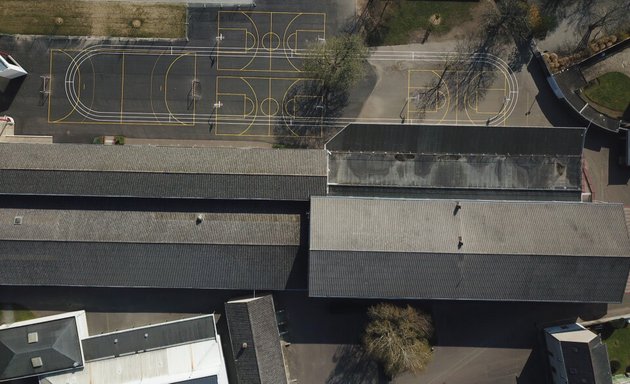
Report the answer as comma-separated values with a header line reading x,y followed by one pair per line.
x,y
270,41
418,81
262,106
77,112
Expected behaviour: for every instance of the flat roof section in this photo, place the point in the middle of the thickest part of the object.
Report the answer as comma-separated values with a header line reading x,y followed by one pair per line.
x,y
148,338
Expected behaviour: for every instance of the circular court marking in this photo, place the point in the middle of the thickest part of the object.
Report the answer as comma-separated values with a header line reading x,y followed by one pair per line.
x,y
269,107
271,41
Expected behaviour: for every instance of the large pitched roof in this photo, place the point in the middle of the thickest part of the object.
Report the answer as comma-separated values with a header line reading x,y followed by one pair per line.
x,y
532,251
57,345
167,172
453,139
453,161
253,321
148,249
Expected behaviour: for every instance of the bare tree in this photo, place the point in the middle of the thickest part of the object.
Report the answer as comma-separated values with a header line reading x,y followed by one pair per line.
x,y
397,338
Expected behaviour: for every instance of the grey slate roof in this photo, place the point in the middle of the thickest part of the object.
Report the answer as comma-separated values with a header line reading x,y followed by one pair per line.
x,y
454,139
532,251
441,161
148,249
149,227
149,338
254,322
586,363
58,346
145,171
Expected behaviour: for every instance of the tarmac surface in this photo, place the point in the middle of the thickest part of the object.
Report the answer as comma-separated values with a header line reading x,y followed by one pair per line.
x,y
237,75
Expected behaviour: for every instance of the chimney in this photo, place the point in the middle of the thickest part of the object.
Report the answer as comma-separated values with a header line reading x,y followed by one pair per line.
x,y
199,219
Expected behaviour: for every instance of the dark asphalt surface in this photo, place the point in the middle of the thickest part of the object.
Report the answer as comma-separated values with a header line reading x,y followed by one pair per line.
x,y
144,89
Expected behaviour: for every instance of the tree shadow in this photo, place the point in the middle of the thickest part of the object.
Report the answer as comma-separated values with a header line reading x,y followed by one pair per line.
x,y
353,366
310,115
8,91
589,17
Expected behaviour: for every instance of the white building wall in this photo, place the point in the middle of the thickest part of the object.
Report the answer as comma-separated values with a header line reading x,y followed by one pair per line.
x,y
10,71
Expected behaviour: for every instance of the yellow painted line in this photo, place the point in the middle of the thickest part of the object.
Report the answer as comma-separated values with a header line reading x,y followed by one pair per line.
x,y
194,101
244,69
216,100
74,107
266,78
117,123
270,55
269,93
408,93
122,88
50,67
456,97
276,12
218,46
168,70
157,122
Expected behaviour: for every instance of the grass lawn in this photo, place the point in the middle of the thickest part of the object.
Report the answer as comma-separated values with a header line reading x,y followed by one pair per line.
x,y
92,18
19,313
619,347
404,17
611,90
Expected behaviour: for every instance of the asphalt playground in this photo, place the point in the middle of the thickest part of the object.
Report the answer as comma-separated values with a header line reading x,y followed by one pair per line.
x,y
247,83
239,77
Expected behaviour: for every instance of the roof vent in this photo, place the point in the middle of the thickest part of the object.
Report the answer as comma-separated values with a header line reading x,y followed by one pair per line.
x,y
458,206
33,337
115,341
460,242
37,362
17,220
199,219
146,335
244,346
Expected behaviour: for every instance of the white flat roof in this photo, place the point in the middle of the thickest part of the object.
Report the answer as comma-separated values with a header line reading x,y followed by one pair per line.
x,y
162,366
